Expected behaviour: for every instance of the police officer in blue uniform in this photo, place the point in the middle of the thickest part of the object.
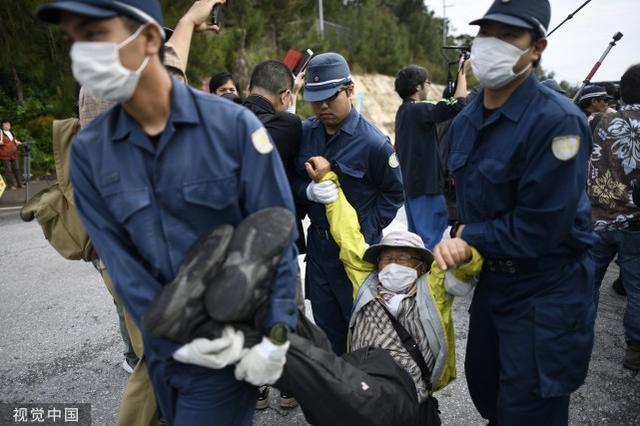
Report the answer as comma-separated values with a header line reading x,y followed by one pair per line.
x,y
369,174
151,177
519,154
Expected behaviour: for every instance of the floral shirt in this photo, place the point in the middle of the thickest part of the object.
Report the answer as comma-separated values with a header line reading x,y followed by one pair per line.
x,y
614,167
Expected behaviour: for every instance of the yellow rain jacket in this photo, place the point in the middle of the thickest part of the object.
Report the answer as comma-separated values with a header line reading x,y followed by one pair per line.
x,y
435,291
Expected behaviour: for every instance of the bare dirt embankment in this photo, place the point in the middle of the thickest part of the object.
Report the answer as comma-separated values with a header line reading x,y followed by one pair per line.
x,y
377,100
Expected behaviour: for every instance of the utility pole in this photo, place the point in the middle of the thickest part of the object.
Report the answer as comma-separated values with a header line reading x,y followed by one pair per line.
x,y
444,22
321,19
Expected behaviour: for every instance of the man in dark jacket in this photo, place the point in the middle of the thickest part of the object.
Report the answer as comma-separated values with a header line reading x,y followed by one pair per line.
x,y
417,149
271,92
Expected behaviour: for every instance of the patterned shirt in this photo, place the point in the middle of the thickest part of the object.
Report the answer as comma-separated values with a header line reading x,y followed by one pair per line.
x,y
373,328
614,166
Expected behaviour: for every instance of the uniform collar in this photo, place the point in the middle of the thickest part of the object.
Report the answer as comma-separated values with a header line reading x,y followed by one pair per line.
x,y
520,99
348,125
512,109
183,110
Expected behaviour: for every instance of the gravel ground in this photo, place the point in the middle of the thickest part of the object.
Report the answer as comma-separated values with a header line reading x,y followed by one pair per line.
x,y
59,342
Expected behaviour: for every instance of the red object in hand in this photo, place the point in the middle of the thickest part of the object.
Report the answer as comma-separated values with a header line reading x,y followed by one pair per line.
x,y
292,58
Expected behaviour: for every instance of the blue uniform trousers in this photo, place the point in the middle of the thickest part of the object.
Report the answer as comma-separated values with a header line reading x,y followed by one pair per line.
x,y
189,395
427,217
626,244
328,288
529,344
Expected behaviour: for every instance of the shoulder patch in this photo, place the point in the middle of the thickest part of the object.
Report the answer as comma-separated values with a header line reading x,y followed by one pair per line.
x,y
261,142
393,161
565,147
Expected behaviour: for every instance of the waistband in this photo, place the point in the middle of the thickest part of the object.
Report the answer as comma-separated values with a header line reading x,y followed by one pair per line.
x,y
531,265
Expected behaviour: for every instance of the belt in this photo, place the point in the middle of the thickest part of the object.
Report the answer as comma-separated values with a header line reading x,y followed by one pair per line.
x,y
513,266
634,225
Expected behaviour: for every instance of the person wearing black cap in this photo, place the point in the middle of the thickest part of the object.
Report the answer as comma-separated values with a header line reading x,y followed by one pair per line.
x,y
594,99
150,177
519,155
369,175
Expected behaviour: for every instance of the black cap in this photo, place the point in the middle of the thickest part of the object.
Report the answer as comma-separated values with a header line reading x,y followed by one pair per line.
x,y
143,11
594,92
530,14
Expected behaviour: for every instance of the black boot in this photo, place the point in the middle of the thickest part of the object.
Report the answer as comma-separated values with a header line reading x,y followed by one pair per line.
x,y
241,287
178,312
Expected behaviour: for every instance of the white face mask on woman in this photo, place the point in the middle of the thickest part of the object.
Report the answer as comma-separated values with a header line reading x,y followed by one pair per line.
x,y
397,278
97,67
492,61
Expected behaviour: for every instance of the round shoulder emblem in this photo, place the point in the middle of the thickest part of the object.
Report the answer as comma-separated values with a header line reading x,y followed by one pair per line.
x,y
261,142
393,161
566,147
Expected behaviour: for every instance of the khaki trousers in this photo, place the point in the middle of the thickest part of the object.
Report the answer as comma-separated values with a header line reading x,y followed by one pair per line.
x,y
138,404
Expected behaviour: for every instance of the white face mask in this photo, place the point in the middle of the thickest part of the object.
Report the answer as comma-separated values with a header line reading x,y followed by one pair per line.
x,y
97,67
492,61
397,278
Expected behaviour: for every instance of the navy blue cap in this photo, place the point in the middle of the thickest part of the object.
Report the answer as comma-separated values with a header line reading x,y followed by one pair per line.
x,y
326,73
553,85
143,11
530,14
594,91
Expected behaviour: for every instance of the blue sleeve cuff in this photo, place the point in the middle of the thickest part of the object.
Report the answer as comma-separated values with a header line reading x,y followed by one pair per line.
x,y
282,310
476,234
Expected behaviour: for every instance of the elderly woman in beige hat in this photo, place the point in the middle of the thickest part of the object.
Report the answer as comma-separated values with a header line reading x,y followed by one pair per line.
x,y
400,293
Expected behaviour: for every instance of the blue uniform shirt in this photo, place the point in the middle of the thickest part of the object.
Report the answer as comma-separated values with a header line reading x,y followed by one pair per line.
x,y
521,174
367,167
145,205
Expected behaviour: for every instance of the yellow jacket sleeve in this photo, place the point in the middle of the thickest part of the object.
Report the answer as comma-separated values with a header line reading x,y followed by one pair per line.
x,y
345,230
444,304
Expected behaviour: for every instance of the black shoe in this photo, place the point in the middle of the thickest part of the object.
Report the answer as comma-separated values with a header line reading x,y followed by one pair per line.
x,y
242,285
263,398
178,312
618,287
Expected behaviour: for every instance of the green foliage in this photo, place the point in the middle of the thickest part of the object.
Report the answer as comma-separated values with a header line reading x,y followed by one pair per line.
x,y
374,35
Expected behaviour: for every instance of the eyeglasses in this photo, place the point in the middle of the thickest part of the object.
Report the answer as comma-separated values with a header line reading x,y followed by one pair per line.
x,y
403,259
332,98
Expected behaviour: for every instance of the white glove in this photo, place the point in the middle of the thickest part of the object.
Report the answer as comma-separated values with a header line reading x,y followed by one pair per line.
x,y
263,364
216,353
323,192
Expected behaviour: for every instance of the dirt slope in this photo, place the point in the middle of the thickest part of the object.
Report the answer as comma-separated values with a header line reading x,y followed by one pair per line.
x,y
377,100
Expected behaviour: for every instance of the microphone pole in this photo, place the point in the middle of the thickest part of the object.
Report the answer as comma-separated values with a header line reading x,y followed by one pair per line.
x,y
569,17
616,37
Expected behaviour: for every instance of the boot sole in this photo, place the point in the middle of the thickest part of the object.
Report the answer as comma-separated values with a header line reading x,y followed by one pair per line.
x,y
178,309
241,286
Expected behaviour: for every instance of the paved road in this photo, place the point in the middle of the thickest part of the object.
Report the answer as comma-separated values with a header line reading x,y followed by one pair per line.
x,y
59,342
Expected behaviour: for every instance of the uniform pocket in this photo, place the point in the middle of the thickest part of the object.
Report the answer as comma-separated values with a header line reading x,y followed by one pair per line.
x,y
216,193
498,183
125,203
563,344
349,170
